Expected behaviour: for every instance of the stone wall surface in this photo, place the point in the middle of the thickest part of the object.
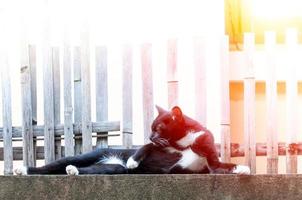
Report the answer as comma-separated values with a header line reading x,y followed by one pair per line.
x,y
156,187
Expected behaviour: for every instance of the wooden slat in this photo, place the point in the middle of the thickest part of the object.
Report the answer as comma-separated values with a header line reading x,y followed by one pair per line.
x,y
237,150
127,96
56,92
33,76
172,80
86,98
59,129
271,103
101,87
7,115
62,137
27,130
68,110
48,89
199,45
291,100
147,81
249,103
33,82
48,105
225,101
77,94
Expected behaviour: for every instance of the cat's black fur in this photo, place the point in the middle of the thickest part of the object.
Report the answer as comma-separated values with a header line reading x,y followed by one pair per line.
x,y
175,131
157,162
153,158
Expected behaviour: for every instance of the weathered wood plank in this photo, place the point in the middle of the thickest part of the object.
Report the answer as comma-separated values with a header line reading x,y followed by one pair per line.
x,y
77,94
86,96
291,100
33,82
7,115
271,103
127,129
27,130
101,87
225,101
147,81
68,109
105,126
33,76
48,105
249,103
172,79
237,150
48,89
200,51
56,92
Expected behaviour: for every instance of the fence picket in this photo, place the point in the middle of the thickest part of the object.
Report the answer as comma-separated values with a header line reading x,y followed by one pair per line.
x,y
147,81
199,45
172,80
101,87
86,103
48,105
56,92
7,116
127,96
271,103
77,94
27,130
68,110
225,101
33,82
249,103
291,101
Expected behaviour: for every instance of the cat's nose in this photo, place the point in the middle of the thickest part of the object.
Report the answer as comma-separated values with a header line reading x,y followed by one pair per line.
x,y
154,136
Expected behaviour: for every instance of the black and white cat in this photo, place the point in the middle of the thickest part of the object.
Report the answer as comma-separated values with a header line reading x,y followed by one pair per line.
x,y
175,132
179,145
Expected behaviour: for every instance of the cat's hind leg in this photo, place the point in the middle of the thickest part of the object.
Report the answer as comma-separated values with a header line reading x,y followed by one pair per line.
x,y
58,166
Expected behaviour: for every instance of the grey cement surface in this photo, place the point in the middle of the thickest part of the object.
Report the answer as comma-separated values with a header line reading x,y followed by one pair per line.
x,y
140,187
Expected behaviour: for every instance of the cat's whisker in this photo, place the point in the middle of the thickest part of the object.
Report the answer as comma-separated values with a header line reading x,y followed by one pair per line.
x,y
165,141
162,142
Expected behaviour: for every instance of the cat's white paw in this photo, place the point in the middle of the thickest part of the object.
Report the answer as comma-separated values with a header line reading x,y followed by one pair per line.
x,y
72,170
21,170
131,164
242,169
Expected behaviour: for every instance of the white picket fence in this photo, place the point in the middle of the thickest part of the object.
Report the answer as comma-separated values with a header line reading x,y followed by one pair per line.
x,y
78,128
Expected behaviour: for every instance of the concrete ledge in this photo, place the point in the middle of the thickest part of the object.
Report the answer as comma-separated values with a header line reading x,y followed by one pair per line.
x,y
152,187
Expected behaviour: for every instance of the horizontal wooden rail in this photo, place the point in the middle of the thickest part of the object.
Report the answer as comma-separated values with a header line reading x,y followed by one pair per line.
x,y
237,150
59,138
38,130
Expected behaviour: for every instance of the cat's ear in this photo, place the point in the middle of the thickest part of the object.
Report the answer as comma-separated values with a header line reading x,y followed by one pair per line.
x,y
176,113
160,110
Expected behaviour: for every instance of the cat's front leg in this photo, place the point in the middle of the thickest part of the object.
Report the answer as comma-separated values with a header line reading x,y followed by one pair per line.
x,y
20,170
134,160
131,163
72,170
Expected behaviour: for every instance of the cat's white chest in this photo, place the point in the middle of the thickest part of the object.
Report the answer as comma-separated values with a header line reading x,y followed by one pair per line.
x,y
192,161
189,159
189,139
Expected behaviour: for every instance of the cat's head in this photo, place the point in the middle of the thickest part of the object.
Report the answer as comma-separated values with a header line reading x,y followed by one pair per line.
x,y
170,126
